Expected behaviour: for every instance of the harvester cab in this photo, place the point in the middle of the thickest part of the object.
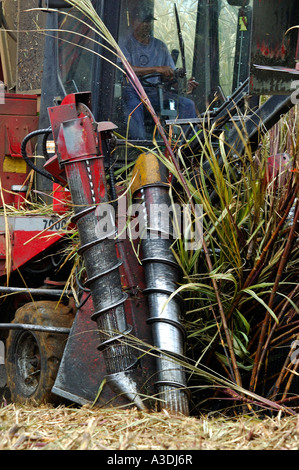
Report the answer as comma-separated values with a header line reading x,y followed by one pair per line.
x,y
114,335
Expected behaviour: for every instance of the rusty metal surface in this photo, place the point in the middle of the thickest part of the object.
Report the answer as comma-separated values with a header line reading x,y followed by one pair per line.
x,y
83,369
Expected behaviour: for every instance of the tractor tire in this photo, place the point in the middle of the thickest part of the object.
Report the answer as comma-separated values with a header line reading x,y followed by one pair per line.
x,y
33,357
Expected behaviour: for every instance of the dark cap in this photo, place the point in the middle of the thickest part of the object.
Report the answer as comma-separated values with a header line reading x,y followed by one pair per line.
x,y
143,14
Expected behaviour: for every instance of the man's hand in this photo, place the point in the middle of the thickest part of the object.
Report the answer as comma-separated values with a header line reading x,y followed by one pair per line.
x,y
191,85
166,71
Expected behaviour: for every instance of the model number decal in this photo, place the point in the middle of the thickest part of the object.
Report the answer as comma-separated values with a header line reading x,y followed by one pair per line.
x,y
54,225
32,224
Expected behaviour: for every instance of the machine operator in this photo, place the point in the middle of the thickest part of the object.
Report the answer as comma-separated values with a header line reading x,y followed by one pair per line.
x,y
149,55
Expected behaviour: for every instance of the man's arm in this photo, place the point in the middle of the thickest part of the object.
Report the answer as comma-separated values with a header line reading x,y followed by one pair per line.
x,y
165,70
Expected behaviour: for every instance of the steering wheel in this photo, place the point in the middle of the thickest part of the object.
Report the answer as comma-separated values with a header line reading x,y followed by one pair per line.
x,y
167,83
145,79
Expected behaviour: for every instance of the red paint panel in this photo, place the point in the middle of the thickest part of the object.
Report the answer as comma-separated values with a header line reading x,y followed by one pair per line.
x,y
20,105
24,250
18,117
29,236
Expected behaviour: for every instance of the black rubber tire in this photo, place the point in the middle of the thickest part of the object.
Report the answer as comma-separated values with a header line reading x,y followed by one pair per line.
x,y
32,357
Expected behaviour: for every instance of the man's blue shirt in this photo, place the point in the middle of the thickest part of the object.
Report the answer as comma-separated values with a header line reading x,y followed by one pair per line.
x,y
153,54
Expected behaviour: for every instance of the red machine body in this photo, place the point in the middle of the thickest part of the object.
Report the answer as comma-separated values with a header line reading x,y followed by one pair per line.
x,y
22,236
28,237
18,117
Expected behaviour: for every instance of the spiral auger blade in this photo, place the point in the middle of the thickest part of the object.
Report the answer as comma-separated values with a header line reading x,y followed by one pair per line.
x,y
78,143
162,275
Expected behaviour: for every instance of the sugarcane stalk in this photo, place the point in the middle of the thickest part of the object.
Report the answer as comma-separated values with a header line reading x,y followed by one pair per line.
x,y
260,262
261,349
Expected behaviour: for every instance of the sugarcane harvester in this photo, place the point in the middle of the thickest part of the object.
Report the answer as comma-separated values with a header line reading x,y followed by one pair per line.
x,y
123,343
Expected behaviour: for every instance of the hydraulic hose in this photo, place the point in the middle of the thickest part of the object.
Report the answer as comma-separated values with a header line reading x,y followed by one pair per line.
x,y
27,159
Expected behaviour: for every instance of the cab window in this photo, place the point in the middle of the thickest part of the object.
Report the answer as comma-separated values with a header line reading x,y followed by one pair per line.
x,y
207,46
